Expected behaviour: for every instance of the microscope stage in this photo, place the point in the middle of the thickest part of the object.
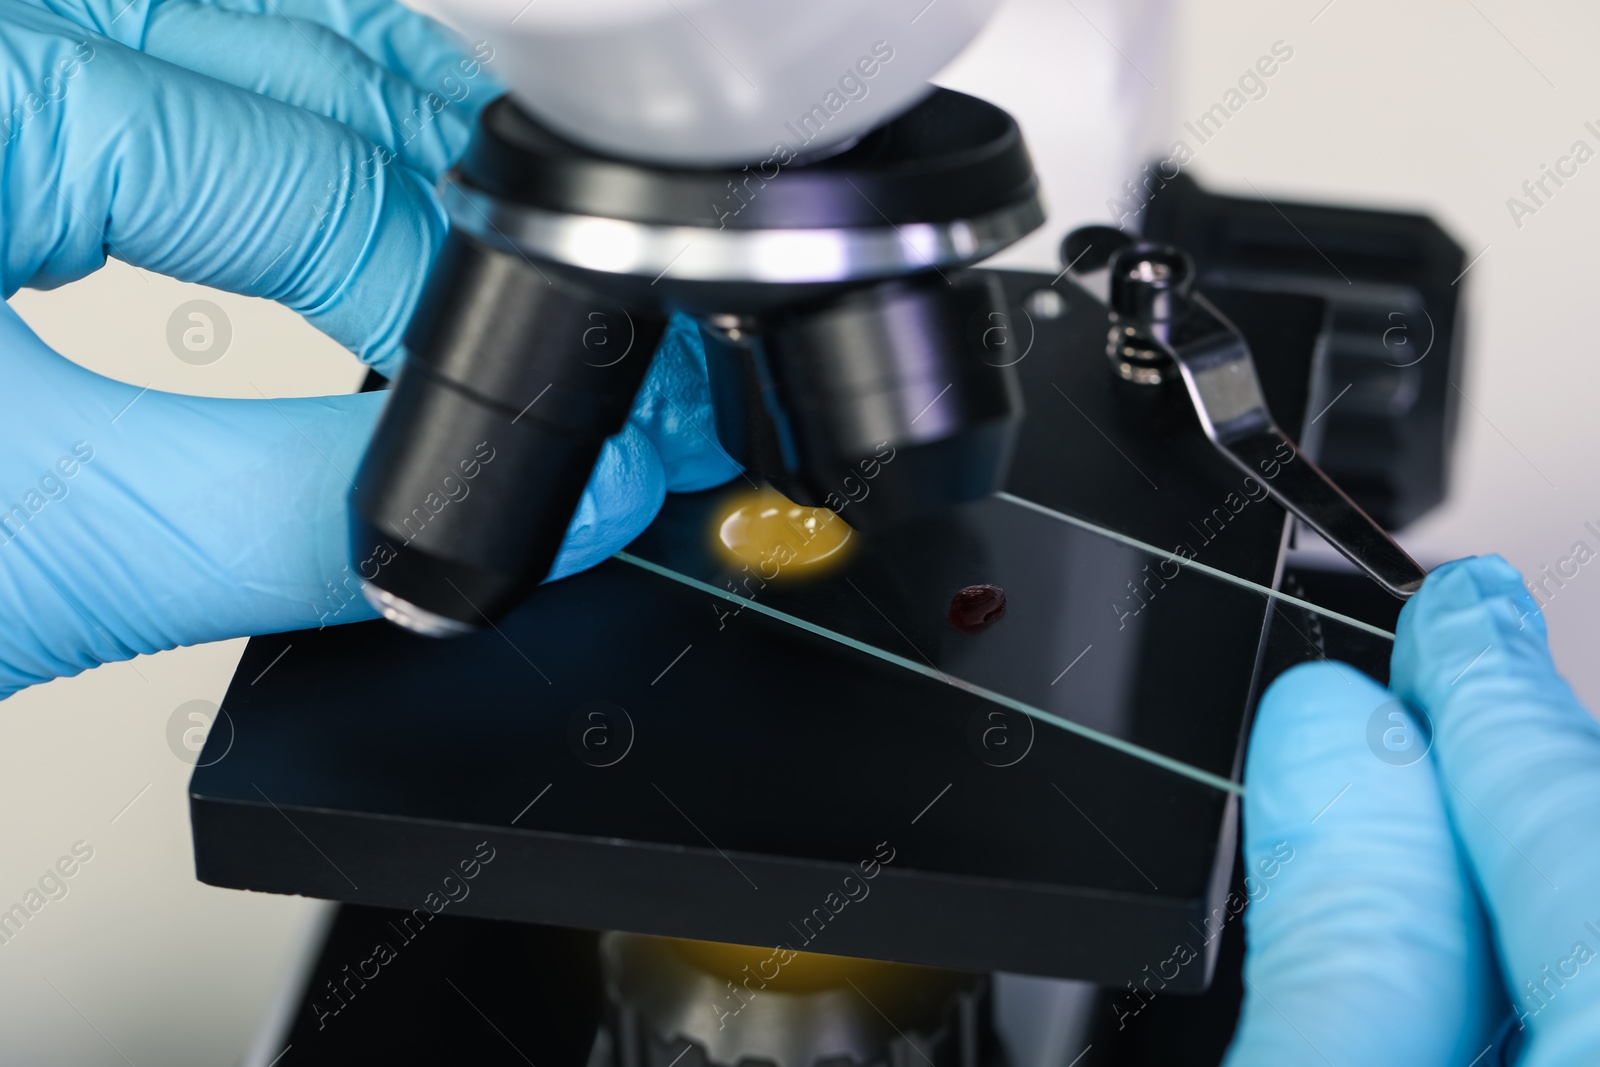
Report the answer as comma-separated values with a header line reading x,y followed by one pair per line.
x,y
667,744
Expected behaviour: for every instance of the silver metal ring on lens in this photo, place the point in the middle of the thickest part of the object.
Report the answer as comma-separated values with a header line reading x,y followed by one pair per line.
x,y
703,253
405,614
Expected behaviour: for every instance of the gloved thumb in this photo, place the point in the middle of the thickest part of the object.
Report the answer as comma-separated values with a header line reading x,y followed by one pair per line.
x,y
1365,945
1519,759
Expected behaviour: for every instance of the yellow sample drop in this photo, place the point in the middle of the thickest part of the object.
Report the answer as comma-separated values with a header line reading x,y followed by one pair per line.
x,y
767,529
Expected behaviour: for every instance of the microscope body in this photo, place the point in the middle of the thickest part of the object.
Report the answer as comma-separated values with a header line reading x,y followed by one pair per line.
x,y
712,83
847,339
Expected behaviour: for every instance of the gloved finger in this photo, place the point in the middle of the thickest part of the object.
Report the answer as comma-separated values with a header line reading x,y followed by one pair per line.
x,y
1365,944
624,493
673,409
419,49
409,44
172,520
311,66
1520,760
176,520
254,196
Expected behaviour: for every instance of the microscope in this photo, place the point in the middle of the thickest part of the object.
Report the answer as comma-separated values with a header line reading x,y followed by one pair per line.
x,y
874,817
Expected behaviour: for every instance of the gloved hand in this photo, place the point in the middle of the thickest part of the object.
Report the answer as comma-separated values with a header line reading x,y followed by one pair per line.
x,y
277,148
1444,911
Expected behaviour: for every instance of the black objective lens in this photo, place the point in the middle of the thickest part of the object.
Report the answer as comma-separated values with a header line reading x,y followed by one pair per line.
x,y
885,403
515,380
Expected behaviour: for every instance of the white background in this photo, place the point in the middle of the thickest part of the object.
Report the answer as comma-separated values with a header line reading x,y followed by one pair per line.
x,y
1444,106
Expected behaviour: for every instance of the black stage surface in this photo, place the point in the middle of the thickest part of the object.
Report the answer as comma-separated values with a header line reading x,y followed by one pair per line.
x,y
661,745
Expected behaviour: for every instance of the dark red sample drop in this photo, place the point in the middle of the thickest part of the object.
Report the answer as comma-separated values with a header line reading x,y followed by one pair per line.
x,y
977,607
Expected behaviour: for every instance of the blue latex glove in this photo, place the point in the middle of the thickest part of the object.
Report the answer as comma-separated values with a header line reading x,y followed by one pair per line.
x,y
236,143
1428,905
